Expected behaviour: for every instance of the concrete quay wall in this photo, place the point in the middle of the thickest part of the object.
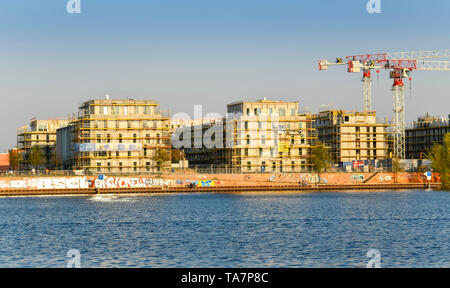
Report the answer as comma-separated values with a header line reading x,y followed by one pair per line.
x,y
210,180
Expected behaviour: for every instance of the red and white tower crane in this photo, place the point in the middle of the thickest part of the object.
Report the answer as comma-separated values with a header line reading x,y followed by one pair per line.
x,y
366,62
400,65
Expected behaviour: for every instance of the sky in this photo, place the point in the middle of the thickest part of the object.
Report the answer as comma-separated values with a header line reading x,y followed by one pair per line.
x,y
210,52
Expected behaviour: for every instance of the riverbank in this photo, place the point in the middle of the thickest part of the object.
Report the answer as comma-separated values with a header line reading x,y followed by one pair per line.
x,y
217,189
187,183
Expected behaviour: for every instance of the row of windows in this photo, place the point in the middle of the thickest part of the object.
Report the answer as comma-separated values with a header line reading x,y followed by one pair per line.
x,y
123,110
135,168
281,111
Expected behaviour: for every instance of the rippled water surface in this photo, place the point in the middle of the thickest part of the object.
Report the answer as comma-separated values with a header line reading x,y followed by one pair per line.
x,y
320,229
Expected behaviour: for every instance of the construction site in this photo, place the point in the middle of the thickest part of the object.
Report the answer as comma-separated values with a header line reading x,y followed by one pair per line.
x,y
115,136
126,136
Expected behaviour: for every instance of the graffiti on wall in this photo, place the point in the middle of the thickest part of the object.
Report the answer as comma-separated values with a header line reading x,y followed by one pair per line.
x,y
385,178
206,183
312,179
46,183
357,178
125,182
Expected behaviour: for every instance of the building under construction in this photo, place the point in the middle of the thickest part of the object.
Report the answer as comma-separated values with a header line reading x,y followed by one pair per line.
x,y
353,135
118,136
258,136
41,134
424,133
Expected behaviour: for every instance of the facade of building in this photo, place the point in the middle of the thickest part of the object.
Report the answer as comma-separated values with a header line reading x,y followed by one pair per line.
x,y
424,133
352,135
119,136
42,134
65,147
258,136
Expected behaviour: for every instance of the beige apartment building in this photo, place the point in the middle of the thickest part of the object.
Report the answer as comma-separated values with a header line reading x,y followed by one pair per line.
x,y
40,133
353,135
119,136
424,133
258,136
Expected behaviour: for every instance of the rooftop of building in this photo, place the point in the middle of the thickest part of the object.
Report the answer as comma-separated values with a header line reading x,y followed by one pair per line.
x,y
107,101
262,101
428,121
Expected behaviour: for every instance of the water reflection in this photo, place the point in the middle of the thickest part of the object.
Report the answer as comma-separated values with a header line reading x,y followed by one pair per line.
x,y
314,229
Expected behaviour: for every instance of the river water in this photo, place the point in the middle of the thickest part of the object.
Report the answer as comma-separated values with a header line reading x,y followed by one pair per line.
x,y
314,229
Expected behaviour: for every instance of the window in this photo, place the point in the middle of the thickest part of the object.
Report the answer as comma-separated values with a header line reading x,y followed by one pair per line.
x,y
129,153
148,138
270,111
249,165
134,138
260,152
99,166
105,110
257,111
109,166
120,166
246,152
282,112
147,166
260,125
108,138
117,153
248,139
99,140
263,139
120,138
246,125
293,112
134,166
248,111
125,110
292,165
147,110
115,110
158,141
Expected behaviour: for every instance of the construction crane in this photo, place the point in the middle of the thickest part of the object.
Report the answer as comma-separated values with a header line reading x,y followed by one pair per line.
x,y
400,68
367,62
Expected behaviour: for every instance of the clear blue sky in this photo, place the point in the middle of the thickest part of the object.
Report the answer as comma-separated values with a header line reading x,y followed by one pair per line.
x,y
210,52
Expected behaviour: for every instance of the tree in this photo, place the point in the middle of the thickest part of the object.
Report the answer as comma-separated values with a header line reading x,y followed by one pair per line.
x,y
14,159
439,154
177,155
36,158
162,156
321,158
396,164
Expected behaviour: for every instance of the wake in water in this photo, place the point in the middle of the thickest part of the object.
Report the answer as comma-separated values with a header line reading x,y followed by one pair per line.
x,y
111,198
